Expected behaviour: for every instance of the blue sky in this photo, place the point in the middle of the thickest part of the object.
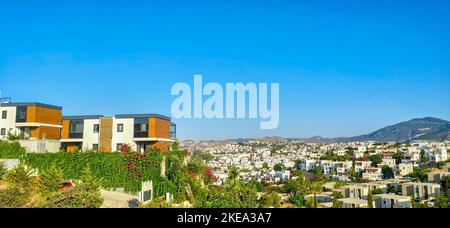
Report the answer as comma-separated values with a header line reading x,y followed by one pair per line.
x,y
344,67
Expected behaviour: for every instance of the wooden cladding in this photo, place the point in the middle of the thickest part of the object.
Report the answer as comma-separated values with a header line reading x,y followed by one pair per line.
x,y
163,146
65,129
106,129
37,114
44,115
46,132
159,128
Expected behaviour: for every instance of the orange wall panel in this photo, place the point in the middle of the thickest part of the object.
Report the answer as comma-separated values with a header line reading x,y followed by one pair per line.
x,y
65,129
37,114
159,128
106,126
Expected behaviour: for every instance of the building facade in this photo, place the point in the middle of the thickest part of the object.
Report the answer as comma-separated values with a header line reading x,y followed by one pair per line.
x,y
139,131
42,128
30,120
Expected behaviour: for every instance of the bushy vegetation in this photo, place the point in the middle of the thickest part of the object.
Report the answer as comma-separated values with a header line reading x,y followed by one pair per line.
x,y
20,189
11,150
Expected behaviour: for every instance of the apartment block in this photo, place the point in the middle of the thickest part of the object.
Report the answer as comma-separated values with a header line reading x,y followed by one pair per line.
x,y
139,131
80,132
421,191
353,203
391,201
30,120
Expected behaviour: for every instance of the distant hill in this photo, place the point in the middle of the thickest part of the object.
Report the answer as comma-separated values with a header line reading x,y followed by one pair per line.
x,y
427,128
416,129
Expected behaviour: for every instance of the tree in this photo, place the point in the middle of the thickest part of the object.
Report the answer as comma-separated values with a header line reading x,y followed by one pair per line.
x,y
297,199
19,189
369,200
423,157
317,170
376,159
387,171
442,201
445,183
377,191
233,178
398,157
265,165
420,174
278,167
175,146
336,197
51,179
195,165
270,200
86,194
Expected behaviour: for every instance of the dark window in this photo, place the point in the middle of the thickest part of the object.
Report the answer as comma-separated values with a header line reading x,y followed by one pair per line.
x,y
96,128
4,114
119,127
76,129
21,115
3,131
173,131
119,145
141,127
95,147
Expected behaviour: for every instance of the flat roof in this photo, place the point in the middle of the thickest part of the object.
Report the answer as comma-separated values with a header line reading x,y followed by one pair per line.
x,y
126,116
15,104
82,117
392,196
353,201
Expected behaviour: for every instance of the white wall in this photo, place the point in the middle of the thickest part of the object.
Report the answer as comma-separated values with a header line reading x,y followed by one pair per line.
x,y
125,137
89,137
10,122
41,146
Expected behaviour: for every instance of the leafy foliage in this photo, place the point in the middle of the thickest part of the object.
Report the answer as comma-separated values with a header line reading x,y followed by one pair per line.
x,y
270,200
387,171
11,150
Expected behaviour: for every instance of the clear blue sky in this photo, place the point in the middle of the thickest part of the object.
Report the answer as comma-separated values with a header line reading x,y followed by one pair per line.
x,y
344,67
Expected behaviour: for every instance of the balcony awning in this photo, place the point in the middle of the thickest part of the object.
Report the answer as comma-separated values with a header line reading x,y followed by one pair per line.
x,y
37,125
154,139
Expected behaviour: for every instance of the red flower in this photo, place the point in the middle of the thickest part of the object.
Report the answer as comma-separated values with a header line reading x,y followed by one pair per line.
x,y
192,174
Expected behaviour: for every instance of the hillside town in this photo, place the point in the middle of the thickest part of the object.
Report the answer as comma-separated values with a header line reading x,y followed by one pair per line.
x,y
390,174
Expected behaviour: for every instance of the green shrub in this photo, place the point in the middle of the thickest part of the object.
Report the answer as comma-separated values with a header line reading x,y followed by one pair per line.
x,y
11,150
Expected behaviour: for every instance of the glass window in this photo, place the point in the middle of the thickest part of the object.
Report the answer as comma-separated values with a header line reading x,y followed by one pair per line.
x,y
76,127
3,131
96,128
95,147
4,114
119,127
119,145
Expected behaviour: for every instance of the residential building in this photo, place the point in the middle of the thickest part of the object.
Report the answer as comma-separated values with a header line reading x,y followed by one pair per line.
x,y
37,125
372,174
405,169
139,131
392,201
82,133
436,177
439,155
353,203
421,191
142,131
